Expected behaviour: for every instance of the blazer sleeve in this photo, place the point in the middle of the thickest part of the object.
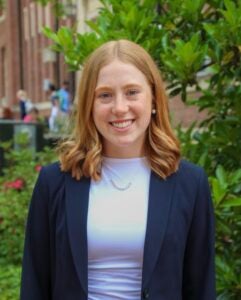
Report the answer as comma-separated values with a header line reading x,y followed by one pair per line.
x,y
199,266
35,283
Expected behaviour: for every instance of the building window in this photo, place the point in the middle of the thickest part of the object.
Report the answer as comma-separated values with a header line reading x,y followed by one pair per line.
x,y
40,17
69,7
26,23
2,4
32,19
47,13
2,13
3,76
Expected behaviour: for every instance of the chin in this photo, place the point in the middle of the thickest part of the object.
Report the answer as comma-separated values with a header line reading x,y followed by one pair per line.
x,y
125,143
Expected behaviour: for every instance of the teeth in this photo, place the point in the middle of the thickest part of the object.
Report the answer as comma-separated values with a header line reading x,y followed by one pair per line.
x,y
122,124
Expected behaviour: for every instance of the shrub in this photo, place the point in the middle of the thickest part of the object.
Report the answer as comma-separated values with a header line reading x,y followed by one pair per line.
x,y
9,282
16,187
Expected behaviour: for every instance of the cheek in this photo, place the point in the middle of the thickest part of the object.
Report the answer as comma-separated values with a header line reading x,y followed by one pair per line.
x,y
145,117
99,114
95,116
144,111
146,121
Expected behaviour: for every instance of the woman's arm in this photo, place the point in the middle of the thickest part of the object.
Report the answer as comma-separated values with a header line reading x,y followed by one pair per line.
x,y
36,283
199,267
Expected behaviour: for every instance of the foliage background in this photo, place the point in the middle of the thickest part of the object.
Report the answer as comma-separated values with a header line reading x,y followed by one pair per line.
x,y
16,187
196,45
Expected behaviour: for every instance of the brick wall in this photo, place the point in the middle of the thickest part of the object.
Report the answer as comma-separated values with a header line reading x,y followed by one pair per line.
x,y
29,64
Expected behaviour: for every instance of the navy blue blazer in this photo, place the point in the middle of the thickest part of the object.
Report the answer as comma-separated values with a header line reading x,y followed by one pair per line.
x,y
178,261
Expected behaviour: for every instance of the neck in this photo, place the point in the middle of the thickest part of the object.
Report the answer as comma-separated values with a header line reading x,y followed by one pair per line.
x,y
123,153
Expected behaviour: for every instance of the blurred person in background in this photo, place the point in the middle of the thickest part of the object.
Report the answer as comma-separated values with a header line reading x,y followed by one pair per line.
x,y
25,104
54,99
32,115
7,113
22,98
64,98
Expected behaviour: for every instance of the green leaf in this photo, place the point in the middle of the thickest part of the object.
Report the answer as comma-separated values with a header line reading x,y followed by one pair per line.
x,y
231,202
65,38
219,191
221,176
48,32
236,177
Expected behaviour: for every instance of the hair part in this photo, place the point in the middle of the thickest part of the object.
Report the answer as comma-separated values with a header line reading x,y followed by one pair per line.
x,y
81,153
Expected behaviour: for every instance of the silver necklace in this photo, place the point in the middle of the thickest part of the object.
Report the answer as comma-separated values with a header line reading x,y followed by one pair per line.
x,y
120,188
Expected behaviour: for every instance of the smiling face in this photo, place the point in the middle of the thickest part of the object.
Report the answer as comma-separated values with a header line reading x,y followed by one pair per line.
x,y
122,109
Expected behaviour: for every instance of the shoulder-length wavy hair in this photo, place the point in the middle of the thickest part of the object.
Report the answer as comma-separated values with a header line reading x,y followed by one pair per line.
x,y
81,153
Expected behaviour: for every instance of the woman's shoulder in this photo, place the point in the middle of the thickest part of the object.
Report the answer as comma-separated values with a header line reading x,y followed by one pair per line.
x,y
188,169
52,169
51,178
190,166
190,176
52,172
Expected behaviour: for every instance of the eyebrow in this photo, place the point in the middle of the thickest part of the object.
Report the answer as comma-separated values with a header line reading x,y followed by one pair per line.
x,y
107,87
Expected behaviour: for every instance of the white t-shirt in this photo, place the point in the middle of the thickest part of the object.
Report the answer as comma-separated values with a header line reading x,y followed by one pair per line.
x,y
116,229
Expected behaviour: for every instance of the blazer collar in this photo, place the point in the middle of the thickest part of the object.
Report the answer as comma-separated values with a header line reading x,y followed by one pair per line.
x,y
160,198
77,200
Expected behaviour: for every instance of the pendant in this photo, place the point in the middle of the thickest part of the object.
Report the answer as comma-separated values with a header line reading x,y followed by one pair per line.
x,y
120,188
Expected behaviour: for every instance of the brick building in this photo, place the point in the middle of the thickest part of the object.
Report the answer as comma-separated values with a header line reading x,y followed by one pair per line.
x,y
26,62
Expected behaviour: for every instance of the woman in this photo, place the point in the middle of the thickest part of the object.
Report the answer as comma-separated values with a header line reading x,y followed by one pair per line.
x,y
32,115
22,98
54,98
120,216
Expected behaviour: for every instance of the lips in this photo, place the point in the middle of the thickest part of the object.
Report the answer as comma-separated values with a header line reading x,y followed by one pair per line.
x,y
122,124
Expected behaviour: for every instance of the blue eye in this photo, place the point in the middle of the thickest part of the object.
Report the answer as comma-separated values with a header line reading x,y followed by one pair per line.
x,y
104,95
132,92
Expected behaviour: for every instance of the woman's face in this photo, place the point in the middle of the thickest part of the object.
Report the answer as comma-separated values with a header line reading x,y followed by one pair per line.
x,y
122,109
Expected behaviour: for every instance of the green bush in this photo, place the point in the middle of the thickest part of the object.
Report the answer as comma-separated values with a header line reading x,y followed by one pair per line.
x,y
16,186
226,188
9,282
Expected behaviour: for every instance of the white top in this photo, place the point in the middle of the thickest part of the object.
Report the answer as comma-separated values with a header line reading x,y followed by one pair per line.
x,y
116,229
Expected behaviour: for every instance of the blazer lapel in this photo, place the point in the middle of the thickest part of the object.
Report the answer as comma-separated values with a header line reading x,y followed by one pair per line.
x,y
77,199
160,198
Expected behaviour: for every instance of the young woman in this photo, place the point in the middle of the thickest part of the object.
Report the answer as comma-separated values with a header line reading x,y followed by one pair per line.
x,y
120,216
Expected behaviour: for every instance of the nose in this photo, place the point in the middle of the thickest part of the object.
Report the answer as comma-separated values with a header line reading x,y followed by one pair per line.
x,y
120,105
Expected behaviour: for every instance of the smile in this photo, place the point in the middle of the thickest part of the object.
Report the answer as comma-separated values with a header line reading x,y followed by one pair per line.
x,y
122,124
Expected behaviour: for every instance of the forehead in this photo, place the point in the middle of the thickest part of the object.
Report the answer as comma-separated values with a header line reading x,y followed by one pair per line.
x,y
117,72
